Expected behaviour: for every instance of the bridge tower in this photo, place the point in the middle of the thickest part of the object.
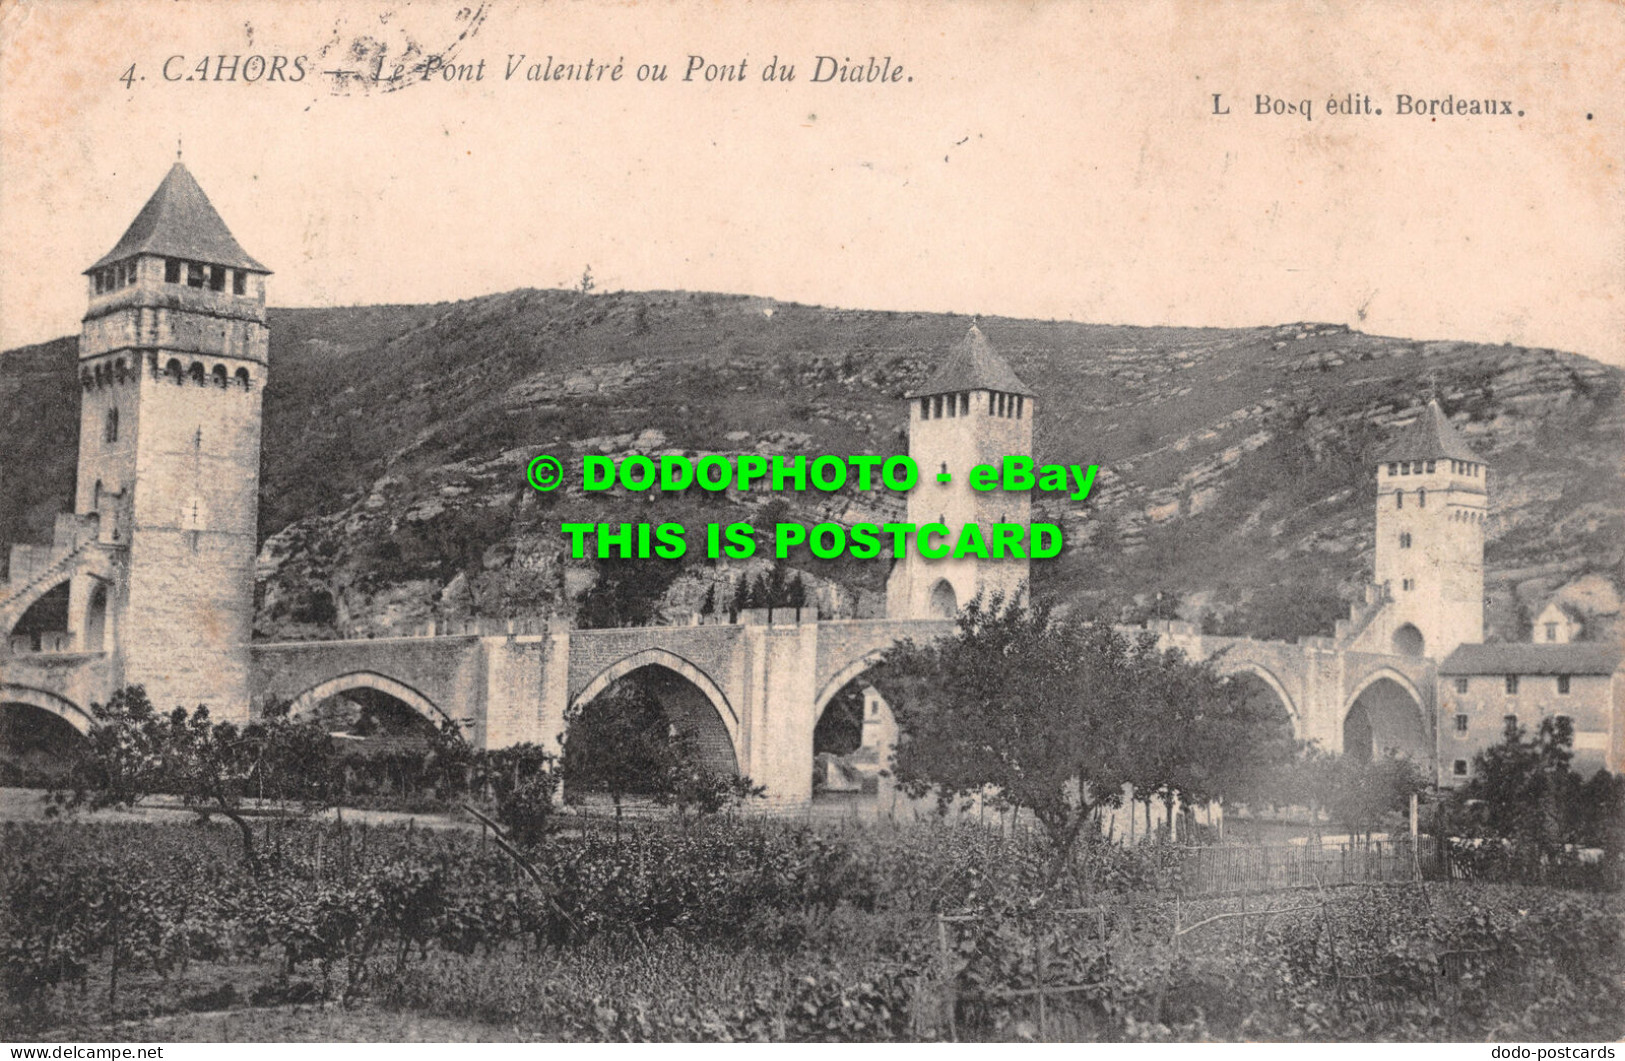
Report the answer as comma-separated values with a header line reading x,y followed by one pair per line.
x,y
172,363
1432,504
974,411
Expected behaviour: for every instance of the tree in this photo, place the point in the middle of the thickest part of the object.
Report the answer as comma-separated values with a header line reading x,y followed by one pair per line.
x,y
1058,714
1523,789
135,752
627,593
708,606
619,743
1204,736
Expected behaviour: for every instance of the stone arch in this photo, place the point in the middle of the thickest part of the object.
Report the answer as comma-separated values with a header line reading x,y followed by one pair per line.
x,y
843,677
18,607
1408,641
173,369
196,372
944,602
710,735
1402,728
94,627
219,375
659,657
307,700
61,706
242,377
1270,681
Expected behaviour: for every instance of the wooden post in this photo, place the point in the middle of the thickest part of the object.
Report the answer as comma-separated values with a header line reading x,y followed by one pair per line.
x,y
949,990
1042,988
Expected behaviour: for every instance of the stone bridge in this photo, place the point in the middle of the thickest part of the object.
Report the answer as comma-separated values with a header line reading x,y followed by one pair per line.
x,y
1344,699
750,693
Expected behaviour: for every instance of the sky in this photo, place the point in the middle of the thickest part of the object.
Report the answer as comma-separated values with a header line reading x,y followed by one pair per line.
x,y
1048,160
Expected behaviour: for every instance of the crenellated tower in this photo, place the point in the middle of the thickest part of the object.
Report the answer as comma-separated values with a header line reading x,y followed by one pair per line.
x,y
172,365
974,411
1432,506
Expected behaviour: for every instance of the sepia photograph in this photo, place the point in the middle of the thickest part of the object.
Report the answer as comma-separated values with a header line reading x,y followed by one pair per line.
x,y
872,521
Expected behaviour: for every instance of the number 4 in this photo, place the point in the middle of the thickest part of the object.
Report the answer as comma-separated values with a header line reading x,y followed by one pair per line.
x,y
129,77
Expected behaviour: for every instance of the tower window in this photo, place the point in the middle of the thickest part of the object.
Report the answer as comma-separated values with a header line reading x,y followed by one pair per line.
x,y
1512,684
219,375
1563,685
951,401
925,408
1430,466
1459,768
239,283
936,407
196,372
1399,499
242,377
1404,467
1408,584
964,403
194,275
1551,631
217,278
1393,469
1405,540
1461,685
110,428
1020,401
172,271
1421,499
173,370
1509,721
1461,723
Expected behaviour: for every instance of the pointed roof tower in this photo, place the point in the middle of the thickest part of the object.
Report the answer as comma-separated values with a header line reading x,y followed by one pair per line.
x,y
1429,435
974,365
180,222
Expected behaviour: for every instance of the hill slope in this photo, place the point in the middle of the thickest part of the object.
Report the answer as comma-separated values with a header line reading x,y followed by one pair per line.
x,y
1236,477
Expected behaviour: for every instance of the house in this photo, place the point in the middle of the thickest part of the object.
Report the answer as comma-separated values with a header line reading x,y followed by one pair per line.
x,y
1482,687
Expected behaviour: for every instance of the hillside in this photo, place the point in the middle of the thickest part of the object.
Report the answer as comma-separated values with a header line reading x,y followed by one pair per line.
x,y
1236,477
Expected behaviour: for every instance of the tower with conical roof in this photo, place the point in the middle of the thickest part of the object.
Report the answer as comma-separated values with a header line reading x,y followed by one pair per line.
x,y
1432,504
974,411
172,364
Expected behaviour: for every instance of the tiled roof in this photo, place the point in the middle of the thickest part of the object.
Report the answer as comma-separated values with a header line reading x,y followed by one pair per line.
x,y
1429,435
180,222
973,365
1573,658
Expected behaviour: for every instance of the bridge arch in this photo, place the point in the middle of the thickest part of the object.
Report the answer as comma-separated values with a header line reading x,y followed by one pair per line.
x,y
1263,674
61,706
684,691
841,677
659,657
306,701
1385,710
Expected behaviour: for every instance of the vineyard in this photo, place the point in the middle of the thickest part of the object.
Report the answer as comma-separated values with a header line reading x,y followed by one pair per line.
x,y
729,929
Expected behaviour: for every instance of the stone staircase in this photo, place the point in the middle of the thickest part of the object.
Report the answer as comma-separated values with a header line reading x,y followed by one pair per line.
x,y
35,569
1361,613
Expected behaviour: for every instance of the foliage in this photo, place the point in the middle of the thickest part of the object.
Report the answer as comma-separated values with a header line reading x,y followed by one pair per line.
x,y
627,593
801,934
1524,791
134,752
1057,715
622,743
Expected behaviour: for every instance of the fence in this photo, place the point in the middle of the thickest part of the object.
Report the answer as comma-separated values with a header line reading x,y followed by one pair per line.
x,y
1034,968
1237,869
